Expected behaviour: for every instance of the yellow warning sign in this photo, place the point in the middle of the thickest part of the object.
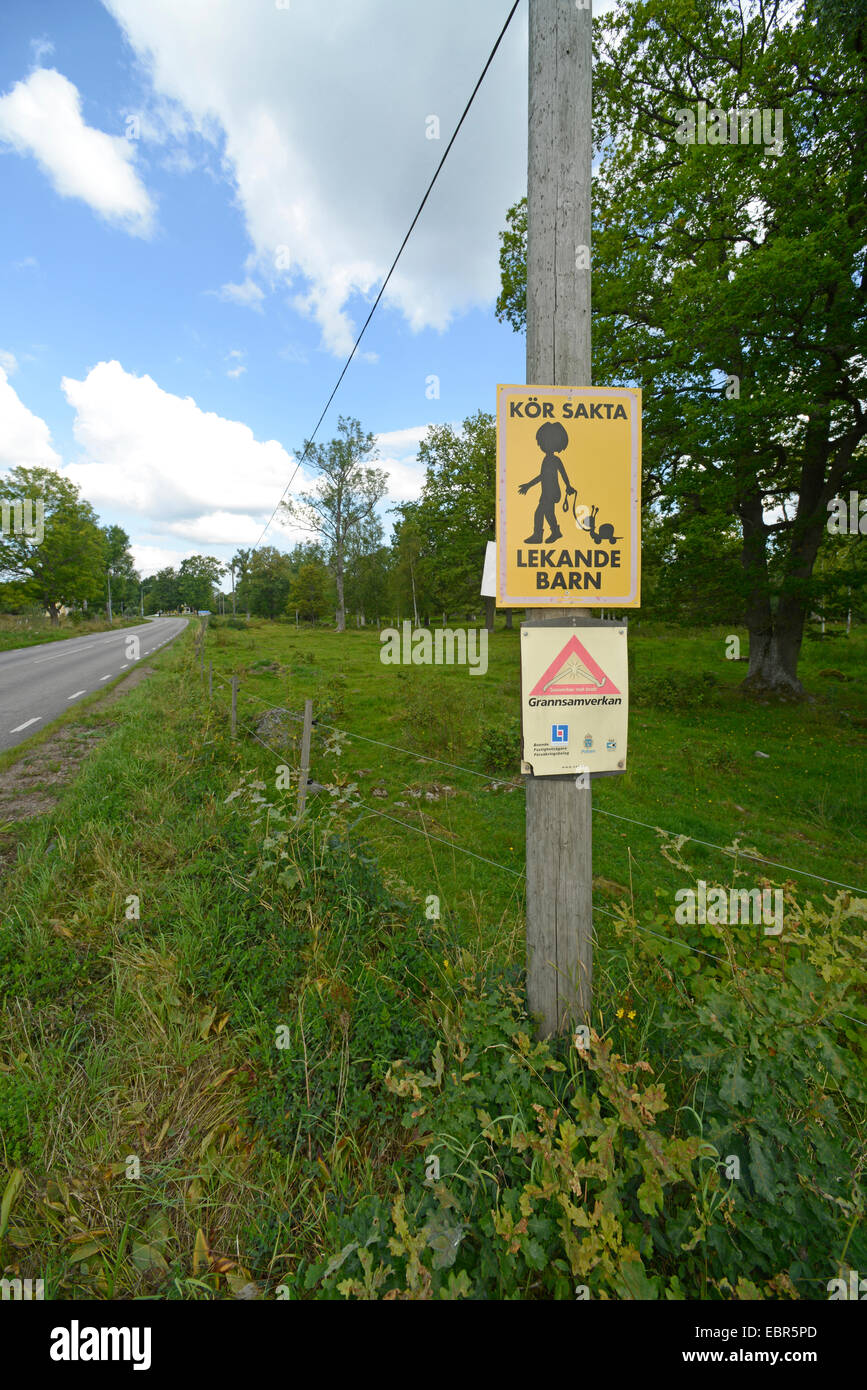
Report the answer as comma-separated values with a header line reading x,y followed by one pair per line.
x,y
568,496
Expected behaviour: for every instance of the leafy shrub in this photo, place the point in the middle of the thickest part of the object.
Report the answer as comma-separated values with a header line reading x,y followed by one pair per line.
x,y
558,1168
772,1045
437,716
42,967
498,746
20,1108
218,621
676,690
530,1201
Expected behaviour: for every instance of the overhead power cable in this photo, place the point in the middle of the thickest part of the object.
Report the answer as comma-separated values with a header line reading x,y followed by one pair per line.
x,y
401,250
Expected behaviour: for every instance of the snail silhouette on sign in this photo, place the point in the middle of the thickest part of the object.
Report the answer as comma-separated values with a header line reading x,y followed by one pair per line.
x,y
605,532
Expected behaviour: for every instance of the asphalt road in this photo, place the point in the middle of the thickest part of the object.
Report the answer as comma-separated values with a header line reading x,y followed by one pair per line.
x,y
39,683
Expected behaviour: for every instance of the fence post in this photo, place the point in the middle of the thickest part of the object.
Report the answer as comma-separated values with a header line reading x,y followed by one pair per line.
x,y
305,756
234,707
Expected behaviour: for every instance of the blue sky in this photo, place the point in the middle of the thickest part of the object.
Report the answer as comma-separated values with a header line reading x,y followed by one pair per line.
x,y
200,200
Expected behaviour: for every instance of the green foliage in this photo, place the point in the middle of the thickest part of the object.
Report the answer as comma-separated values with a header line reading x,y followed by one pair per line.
x,y
498,746
341,508
21,1103
162,592
562,1168
310,591
552,1174
198,577
233,622
435,717
675,690
41,966
268,581
454,519
62,564
345,991
774,1039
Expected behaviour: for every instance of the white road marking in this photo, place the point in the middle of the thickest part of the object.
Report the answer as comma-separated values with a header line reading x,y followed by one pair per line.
x,y
106,678
26,724
123,668
57,655
76,695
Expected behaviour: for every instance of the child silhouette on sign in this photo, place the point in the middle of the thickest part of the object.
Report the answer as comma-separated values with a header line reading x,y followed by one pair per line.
x,y
550,437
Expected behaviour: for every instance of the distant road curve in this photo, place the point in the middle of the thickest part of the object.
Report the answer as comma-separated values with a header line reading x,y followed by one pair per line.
x,y
39,683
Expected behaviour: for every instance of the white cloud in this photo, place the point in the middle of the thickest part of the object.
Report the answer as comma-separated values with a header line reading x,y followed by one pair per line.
x,y
405,478
41,116
398,451
218,528
323,113
237,368
247,294
25,439
150,558
294,354
8,361
41,48
161,456
402,441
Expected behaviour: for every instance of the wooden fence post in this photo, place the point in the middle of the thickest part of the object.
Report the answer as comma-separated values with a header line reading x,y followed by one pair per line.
x,y
305,756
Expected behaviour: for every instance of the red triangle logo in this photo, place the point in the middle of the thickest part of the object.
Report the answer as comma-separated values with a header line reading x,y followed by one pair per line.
x,y
574,672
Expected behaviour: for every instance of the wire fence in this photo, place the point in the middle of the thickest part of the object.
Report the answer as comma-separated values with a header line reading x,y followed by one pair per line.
x,y
505,868
730,851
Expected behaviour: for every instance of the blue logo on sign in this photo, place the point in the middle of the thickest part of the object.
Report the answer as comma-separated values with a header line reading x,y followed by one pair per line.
x,y
559,733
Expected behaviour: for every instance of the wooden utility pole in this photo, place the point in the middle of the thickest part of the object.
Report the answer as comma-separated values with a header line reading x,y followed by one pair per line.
x,y
560,150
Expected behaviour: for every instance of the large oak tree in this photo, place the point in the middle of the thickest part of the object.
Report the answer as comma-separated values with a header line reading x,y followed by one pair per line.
x,y
61,561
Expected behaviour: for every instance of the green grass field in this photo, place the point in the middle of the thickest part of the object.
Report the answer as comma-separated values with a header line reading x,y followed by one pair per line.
x,y
231,1048
692,766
